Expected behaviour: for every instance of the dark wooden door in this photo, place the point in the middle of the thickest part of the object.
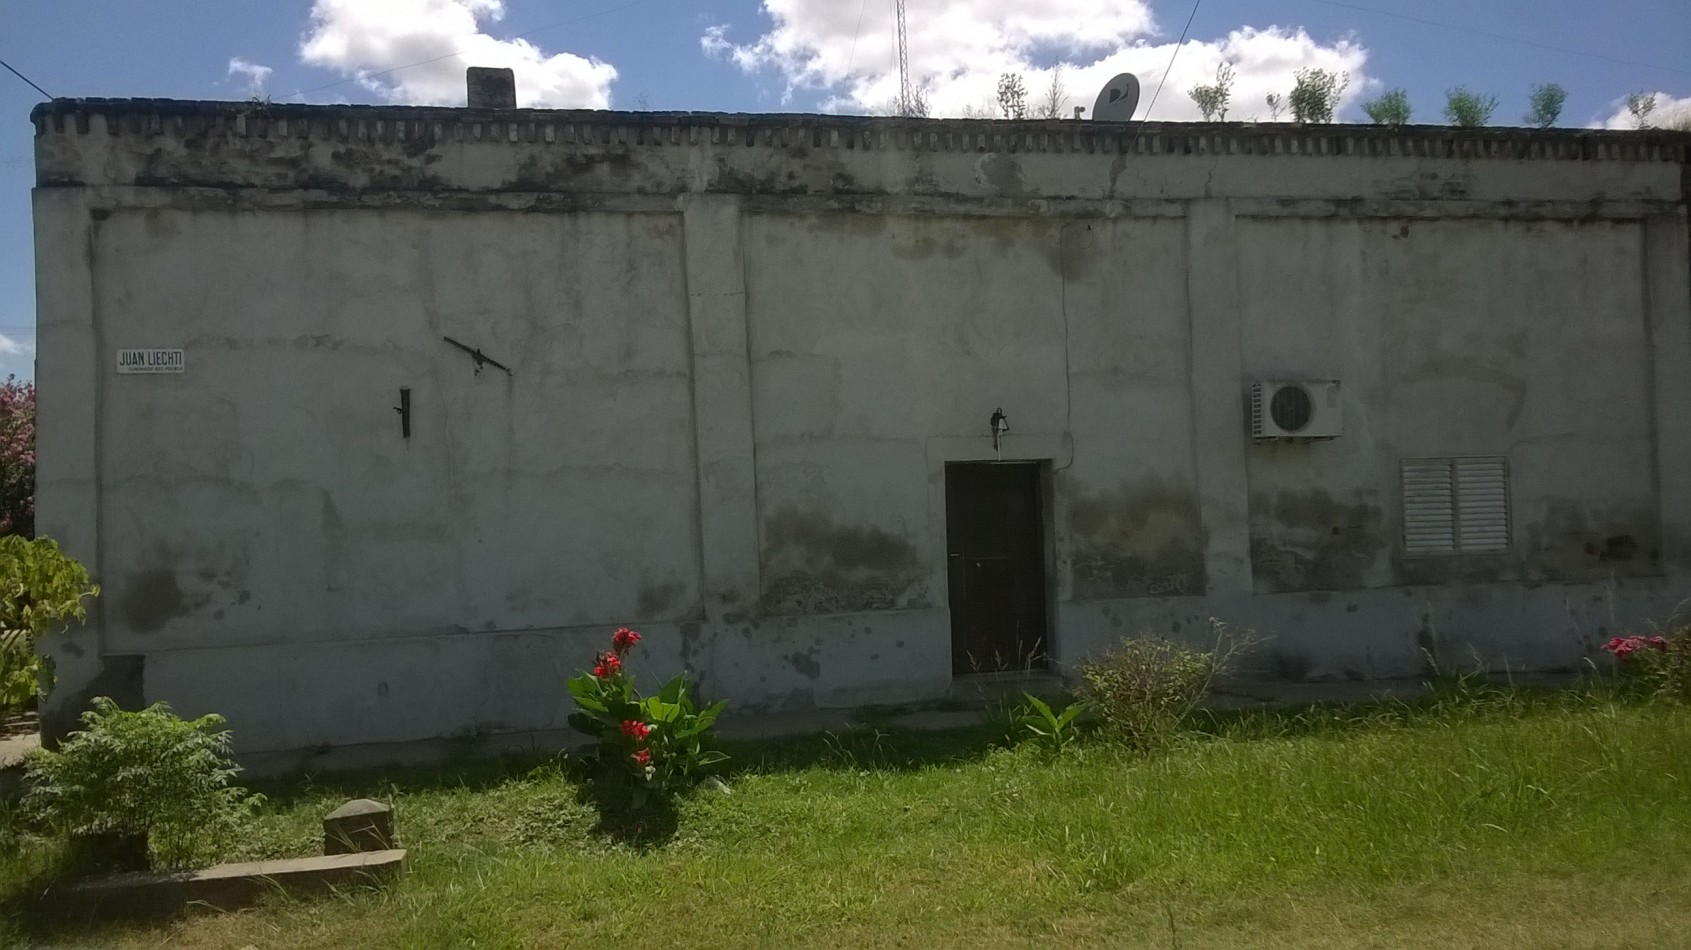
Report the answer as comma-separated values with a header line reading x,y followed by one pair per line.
x,y
995,552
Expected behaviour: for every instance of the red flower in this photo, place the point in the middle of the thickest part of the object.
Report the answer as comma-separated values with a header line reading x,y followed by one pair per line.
x,y
623,639
609,665
642,757
635,730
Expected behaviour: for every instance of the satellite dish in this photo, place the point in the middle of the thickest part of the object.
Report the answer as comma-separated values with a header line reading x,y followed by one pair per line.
x,y
1117,100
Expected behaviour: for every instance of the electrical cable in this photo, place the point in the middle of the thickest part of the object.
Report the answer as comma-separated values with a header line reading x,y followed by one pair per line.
x,y
1172,57
854,37
26,79
524,35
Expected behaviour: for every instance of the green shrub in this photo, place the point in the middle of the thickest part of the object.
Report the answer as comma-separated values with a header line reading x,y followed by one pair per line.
x,y
1036,722
1144,688
41,591
148,773
645,745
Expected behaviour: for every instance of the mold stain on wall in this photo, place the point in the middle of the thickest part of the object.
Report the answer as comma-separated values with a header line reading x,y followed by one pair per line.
x,y
813,565
1143,539
1570,541
1310,540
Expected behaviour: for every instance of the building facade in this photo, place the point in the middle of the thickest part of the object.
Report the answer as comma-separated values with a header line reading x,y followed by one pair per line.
x,y
373,422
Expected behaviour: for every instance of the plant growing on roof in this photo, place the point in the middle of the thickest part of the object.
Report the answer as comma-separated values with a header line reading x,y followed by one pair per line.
x,y
1212,99
1391,108
652,745
1468,110
1544,105
1315,96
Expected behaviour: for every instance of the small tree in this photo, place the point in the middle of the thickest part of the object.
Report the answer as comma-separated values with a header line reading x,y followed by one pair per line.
x,y
1276,104
1315,97
1468,110
1391,108
41,592
1012,96
1544,105
1212,99
1054,104
17,457
1641,104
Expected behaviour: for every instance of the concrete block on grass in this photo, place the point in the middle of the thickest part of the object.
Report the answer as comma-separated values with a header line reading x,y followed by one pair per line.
x,y
226,886
359,825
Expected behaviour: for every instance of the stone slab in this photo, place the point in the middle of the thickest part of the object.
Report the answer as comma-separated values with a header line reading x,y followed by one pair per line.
x,y
226,886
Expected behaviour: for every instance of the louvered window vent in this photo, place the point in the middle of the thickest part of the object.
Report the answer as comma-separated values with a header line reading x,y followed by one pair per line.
x,y
1455,506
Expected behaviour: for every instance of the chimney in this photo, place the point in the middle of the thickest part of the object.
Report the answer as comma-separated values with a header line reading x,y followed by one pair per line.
x,y
488,88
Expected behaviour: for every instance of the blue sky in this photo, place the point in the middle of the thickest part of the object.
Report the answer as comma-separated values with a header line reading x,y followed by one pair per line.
x,y
802,55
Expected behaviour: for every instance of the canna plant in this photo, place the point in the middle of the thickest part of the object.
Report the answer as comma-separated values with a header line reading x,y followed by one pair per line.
x,y
651,745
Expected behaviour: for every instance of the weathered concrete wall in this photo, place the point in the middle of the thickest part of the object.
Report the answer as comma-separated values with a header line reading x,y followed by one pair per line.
x,y
743,350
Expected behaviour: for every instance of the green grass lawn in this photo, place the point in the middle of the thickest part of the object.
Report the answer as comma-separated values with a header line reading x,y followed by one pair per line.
x,y
1515,821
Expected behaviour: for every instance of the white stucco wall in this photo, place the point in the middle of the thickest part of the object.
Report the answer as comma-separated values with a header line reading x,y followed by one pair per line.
x,y
743,350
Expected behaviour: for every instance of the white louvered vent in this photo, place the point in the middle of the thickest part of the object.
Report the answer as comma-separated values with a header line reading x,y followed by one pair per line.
x,y
1455,506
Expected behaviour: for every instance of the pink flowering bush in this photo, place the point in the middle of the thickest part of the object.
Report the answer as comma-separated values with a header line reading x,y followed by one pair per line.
x,y
645,745
17,457
1661,663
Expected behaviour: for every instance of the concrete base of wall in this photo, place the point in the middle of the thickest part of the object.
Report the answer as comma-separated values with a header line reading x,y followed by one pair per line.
x,y
432,698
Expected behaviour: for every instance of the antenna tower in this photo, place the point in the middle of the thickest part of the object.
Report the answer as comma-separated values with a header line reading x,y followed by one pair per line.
x,y
906,95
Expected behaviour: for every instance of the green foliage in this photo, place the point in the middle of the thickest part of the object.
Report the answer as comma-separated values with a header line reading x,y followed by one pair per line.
x,y
1012,96
1640,105
17,457
1544,105
41,591
142,773
651,745
1144,688
1468,110
1036,722
1212,99
1315,97
1391,108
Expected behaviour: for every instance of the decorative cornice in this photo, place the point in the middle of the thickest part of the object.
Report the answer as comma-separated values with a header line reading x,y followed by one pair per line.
x,y
426,126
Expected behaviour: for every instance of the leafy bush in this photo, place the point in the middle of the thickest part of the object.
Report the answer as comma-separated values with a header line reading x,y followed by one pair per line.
x,y
651,745
41,590
148,773
1468,110
1144,688
17,457
1662,664
1545,105
1315,96
1391,108
1036,722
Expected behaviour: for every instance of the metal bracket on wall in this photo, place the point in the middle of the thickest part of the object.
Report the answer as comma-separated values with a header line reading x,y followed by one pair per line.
x,y
480,357
404,410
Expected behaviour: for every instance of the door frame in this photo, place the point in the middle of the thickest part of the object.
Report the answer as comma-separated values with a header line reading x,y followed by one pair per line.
x,y
1045,515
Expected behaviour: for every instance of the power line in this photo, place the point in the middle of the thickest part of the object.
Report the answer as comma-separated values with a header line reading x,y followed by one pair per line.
x,y
25,79
853,57
1176,54
1501,36
424,62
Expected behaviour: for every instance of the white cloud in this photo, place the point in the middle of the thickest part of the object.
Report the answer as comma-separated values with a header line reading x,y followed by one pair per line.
x,y
363,38
958,48
253,78
15,347
1670,112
